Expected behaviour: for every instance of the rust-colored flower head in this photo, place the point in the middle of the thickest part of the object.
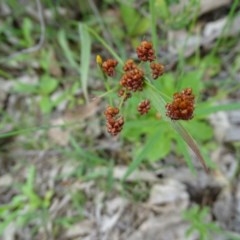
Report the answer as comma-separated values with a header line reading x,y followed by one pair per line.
x,y
114,123
111,112
144,107
129,65
157,69
124,94
109,66
182,106
114,126
133,80
146,52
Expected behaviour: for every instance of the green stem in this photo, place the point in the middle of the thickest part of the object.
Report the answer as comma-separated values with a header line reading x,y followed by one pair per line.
x,y
152,10
103,42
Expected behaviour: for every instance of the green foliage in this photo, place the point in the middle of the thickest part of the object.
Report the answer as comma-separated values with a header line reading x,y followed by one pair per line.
x,y
170,2
133,21
199,129
198,223
27,32
25,206
84,57
182,18
163,7
68,53
137,191
46,86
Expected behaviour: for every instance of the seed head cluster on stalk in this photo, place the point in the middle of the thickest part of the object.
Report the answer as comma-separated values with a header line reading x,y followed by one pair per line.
x,y
114,122
108,67
182,106
133,80
144,107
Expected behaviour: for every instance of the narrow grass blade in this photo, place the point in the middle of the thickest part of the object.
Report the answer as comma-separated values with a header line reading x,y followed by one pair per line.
x,y
65,47
185,153
156,98
85,41
104,43
90,157
191,143
34,128
212,109
153,14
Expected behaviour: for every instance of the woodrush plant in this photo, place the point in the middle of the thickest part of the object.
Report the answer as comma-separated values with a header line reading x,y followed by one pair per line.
x,y
137,77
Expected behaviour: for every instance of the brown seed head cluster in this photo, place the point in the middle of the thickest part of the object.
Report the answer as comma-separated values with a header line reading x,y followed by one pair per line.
x,y
133,78
182,106
129,65
114,123
131,81
109,66
144,107
146,52
123,93
157,69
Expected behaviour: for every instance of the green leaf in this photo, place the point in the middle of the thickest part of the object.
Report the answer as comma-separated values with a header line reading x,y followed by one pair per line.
x,y
171,2
133,21
46,104
142,26
28,189
161,148
85,41
163,10
62,38
190,142
27,29
206,110
129,16
166,83
199,129
47,84
46,58
183,149
211,64
236,64
192,80
156,97
47,198
106,45
25,88
135,128
153,10
18,201
31,177
142,155
10,218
